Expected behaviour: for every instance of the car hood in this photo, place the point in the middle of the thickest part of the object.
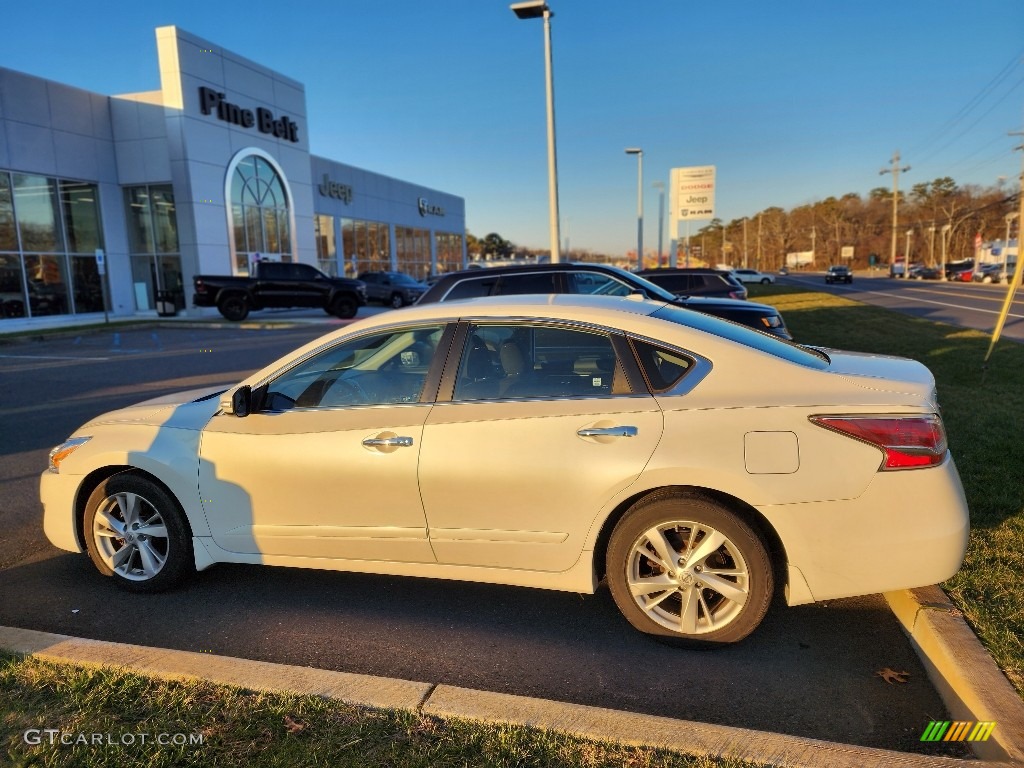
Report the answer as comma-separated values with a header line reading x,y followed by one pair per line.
x,y
190,409
883,373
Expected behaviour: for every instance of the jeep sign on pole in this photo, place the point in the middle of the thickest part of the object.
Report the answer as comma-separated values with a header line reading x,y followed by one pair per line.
x,y
693,193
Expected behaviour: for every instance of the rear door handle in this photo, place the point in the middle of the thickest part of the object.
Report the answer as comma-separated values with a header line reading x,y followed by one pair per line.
x,y
608,432
403,442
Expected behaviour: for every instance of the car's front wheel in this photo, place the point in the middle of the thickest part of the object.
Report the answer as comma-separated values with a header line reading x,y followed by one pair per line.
x,y
397,302
136,532
686,569
766,281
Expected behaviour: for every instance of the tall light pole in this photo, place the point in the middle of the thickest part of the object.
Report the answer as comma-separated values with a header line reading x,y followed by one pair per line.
x,y
906,254
895,171
639,204
535,9
660,186
931,245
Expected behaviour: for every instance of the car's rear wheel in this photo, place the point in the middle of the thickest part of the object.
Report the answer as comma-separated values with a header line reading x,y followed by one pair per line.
x,y
234,307
344,307
687,570
136,532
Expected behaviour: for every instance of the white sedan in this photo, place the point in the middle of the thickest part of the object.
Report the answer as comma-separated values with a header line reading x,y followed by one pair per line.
x,y
544,441
752,276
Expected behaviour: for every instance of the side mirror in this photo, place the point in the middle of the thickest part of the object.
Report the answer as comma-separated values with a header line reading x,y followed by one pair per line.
x,y
241,401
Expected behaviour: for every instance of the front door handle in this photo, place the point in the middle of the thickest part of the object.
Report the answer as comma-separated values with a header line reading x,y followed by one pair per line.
x,y
608,432
374,442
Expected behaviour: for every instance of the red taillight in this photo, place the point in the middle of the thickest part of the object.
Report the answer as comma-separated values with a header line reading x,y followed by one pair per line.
x,y
200,286
908,442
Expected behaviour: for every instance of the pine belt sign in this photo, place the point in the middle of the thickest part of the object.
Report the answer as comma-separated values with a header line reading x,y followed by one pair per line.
x,y
692,196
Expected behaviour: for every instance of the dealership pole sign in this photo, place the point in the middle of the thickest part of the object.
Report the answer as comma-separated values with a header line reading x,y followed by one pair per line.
x,y
692,195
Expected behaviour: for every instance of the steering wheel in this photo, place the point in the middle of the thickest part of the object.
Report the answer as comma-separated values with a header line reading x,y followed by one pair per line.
x,y
347,392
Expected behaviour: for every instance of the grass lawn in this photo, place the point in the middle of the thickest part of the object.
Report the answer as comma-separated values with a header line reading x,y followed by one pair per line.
x,y
984,418
244,729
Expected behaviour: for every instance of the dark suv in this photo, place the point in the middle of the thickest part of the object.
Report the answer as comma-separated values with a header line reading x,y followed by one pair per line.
x,y
694,281
837,273
393,289
597,279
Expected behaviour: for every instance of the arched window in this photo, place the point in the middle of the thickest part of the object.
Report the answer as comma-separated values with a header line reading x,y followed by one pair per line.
x,y
259,212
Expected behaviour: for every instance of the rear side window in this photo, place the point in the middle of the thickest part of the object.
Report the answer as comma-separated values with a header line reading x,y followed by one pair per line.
x,y
511,285
473,288
674,283
663,368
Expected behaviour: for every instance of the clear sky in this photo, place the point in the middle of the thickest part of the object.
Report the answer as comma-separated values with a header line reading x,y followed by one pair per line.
x,y
793,101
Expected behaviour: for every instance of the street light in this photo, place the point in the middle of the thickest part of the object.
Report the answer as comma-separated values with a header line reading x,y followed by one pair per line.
x,y
660,186
639,204
906,254
537,9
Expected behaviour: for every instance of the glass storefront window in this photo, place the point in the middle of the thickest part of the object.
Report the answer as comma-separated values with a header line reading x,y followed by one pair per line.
x,y
259,211
86,285
47,280
35,207
8,235
165,219
44,223
326,247
153,239
140,226
12,291
81,216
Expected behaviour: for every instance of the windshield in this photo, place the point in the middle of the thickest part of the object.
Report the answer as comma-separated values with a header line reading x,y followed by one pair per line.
x,y
741,334
398,277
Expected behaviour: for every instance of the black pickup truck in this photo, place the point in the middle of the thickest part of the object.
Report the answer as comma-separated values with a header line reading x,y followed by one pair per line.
x,y
279,284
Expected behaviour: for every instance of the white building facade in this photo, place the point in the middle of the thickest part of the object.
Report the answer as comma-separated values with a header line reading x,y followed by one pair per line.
x,y
203,176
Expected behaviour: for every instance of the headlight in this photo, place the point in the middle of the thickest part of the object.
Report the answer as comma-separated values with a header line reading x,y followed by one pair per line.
x,y
65,449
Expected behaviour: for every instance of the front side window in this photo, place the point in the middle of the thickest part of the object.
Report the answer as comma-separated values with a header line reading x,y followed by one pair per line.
x,y
380,369
523,361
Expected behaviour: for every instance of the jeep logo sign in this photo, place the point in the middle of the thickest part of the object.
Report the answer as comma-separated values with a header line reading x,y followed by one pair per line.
x,y
427,208
333,189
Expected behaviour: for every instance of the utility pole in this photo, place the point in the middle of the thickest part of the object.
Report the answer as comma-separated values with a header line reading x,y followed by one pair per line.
x,y
931,245
758,265
814,236
895,171
744,242
1014,281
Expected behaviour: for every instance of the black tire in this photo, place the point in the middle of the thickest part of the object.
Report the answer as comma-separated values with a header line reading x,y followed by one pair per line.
x,y
148,563
234,307
397,301
681,520
766,281
344,306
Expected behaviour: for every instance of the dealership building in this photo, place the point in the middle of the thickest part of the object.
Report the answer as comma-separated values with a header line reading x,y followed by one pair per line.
x,y
133,195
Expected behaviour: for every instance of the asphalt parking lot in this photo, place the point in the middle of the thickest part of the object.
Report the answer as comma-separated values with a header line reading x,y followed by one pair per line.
x,y
809,671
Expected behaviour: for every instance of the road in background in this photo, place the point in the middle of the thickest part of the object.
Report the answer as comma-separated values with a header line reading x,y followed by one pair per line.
x,y
809,671
969,305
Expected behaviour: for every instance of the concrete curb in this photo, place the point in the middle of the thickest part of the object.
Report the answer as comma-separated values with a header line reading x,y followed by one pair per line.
x,y
968,680
449,702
